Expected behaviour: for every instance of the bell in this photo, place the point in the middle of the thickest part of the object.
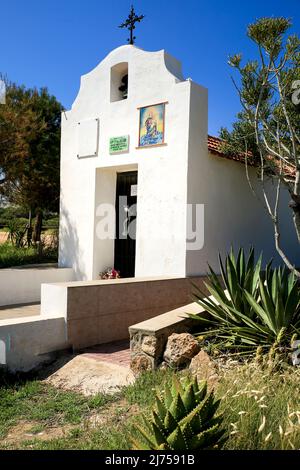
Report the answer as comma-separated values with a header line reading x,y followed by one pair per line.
x,y
124,88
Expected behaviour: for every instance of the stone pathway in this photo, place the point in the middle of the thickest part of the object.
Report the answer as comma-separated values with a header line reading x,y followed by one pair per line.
x,y
115,353
8,312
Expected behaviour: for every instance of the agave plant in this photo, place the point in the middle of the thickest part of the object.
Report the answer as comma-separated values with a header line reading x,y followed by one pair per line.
x,y
184,418
254,309
277,308
227,304
236,276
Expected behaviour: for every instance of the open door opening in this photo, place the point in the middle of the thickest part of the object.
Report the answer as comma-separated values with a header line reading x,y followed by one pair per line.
x,y
125,243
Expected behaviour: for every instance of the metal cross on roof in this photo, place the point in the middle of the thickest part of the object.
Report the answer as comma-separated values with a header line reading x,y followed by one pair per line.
x,y
130,24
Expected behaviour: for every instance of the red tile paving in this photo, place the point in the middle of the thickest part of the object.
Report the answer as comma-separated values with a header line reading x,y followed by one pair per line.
x,y
116,353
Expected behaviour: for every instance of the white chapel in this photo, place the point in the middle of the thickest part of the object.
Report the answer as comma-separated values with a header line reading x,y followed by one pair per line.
x,y
135,153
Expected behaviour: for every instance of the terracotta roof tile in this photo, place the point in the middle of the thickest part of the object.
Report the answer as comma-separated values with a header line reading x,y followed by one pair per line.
x,y
214,146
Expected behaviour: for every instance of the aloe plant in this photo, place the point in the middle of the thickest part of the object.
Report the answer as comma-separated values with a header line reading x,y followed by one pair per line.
x,y
249,309
184,418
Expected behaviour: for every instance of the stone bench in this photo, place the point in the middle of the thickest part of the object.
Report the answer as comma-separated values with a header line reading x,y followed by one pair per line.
x,y
148,338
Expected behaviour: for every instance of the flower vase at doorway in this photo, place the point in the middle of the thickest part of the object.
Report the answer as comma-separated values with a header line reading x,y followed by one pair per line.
x,y
110,273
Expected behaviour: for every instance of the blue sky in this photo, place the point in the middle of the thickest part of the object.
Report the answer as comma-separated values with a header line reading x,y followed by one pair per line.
x,y
53,42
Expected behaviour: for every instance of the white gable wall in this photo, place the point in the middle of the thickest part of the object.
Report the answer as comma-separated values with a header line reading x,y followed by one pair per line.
x,y
162,170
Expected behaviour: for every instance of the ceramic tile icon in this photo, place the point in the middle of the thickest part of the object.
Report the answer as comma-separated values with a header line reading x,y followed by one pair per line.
x,y
152,125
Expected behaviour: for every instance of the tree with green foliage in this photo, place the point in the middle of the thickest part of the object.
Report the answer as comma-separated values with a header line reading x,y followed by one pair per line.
x,y
30,151
267,130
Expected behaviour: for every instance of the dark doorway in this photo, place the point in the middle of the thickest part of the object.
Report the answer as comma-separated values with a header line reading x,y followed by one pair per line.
x,y
126,198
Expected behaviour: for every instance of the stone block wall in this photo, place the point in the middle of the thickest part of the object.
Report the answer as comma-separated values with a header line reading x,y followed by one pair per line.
x,y
148,339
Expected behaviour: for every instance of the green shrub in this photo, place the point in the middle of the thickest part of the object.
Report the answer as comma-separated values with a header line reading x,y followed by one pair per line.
x,y
184,418
51,223
13,256
11,212
255,310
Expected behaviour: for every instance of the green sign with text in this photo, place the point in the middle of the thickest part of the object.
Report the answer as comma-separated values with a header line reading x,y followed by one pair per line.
x,y
119,144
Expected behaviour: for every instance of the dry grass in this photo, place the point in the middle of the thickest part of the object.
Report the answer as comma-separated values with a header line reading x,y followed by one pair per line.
x,y
261,406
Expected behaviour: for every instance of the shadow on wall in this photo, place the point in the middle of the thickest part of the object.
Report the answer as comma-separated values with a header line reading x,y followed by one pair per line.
x,y
235,217
70,253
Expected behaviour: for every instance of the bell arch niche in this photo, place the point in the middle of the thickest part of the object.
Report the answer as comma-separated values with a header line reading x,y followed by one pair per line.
x,y
119,82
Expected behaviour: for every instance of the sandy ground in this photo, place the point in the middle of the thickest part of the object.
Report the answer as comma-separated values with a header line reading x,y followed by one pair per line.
x,y
25,431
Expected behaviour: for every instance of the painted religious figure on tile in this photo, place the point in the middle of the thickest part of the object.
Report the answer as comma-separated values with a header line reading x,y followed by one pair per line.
x,y
152,125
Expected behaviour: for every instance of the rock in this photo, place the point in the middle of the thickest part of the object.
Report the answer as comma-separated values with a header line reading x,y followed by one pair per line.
x,y
141,363
90,376
135,343
149,345
180,349
203,368
163,366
